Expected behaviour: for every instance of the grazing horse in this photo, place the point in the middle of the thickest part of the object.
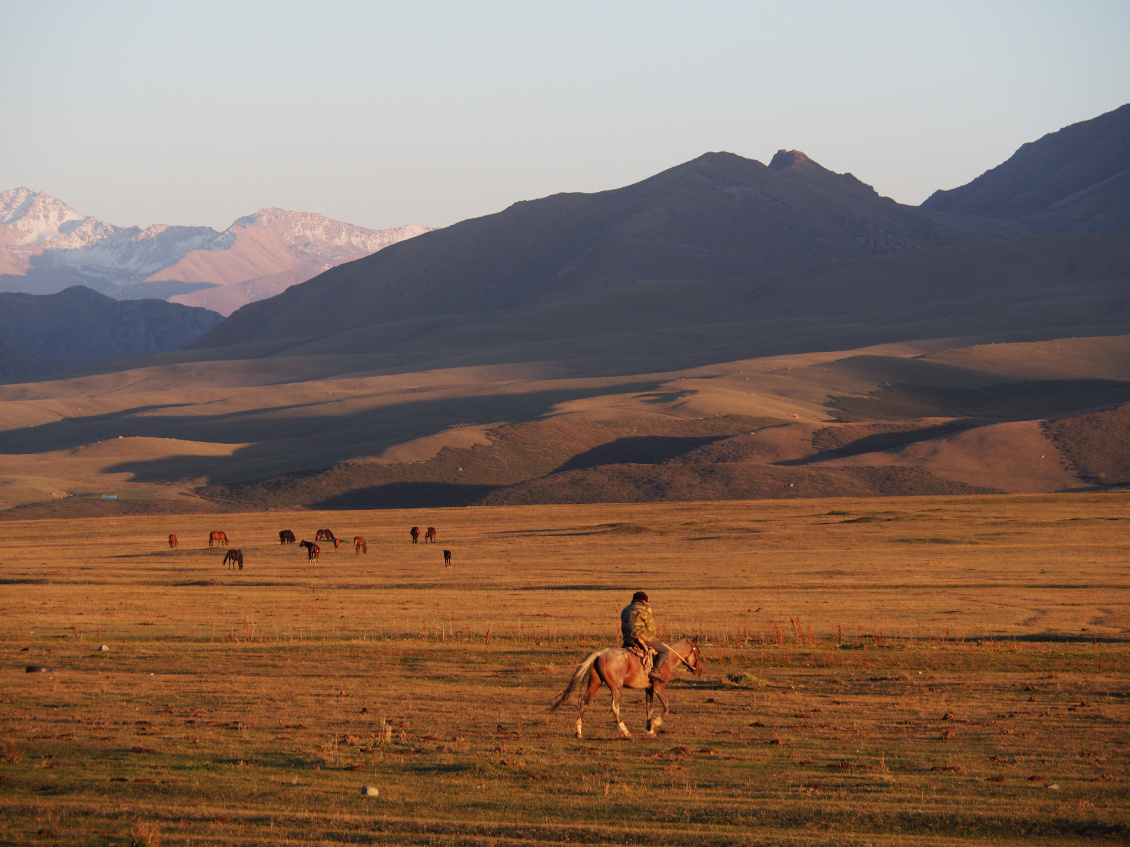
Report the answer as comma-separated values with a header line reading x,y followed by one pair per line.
x,y
430,535
323,535
447,558
415,534
286,536
173,541
218,536
313,551
233,558
359,545
619,669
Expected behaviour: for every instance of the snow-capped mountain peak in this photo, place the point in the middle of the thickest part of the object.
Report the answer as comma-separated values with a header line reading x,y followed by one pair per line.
x,y
46,246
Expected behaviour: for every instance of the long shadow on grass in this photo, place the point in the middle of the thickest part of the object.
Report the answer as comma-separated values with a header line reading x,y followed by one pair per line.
x,y
639,450
292,428
408,495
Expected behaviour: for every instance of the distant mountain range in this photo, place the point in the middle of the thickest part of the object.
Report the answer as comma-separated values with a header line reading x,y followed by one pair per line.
x,y
46,246
724,329
712,238
717,216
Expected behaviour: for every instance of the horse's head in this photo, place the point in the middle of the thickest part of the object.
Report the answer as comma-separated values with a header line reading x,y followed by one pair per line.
x,y
695,657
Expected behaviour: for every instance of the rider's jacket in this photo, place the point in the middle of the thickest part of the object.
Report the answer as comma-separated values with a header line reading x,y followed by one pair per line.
x,y
636,623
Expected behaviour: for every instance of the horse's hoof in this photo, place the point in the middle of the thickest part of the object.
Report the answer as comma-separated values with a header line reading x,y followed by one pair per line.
x,y
651,733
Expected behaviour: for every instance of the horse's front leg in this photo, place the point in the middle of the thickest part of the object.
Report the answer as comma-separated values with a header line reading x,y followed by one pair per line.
x,y
653,723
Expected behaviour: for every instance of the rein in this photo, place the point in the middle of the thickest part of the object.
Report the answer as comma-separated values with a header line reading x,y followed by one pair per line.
x,y
681,659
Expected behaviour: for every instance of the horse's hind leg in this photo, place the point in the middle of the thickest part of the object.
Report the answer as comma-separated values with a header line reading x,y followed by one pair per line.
x,y
616,691
594,686
656,721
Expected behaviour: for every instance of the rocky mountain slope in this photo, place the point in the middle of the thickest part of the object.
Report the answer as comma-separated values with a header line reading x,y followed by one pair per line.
x,y
719,215
46,246
79,327
1076,179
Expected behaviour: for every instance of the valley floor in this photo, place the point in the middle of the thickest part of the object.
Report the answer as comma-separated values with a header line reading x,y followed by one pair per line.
x,y
896,671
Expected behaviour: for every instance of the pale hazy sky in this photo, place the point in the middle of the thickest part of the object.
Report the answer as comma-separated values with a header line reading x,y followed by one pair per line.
x,y
382,114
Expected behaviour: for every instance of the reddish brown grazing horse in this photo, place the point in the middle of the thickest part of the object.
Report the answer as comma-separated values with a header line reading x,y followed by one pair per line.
x,y
619,669
323,535
173,541
313,551
218,536
415,531
286,536
430,535
359,545
233,558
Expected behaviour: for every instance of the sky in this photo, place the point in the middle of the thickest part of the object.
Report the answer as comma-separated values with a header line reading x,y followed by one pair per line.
x,y
384,114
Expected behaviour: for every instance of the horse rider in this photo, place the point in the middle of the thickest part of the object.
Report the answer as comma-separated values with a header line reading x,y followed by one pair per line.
x,y
638,629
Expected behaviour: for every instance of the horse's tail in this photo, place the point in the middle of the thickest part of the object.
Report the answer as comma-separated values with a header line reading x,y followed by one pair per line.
x,y
579,675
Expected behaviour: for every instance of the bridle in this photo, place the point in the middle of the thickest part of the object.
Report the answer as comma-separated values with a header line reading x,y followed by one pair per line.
x,y
696,667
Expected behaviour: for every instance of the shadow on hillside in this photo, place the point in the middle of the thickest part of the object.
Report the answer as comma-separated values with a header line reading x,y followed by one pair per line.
x,y
1004,401
641,450
884,441
277,435
408,495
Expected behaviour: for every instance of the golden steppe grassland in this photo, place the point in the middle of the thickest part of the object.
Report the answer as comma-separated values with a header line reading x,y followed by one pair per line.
x,y
946,670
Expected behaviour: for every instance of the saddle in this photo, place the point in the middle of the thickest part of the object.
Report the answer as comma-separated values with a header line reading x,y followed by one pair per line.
x,y
645,654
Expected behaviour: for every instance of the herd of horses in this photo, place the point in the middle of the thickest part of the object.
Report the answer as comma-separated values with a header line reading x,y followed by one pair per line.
x,y
313,550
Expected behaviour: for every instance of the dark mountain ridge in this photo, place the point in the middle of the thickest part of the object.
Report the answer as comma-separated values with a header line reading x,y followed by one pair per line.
x,y
719,215
79,327
1075,179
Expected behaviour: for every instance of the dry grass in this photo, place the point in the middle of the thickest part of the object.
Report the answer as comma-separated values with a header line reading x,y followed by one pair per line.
x,y
903,671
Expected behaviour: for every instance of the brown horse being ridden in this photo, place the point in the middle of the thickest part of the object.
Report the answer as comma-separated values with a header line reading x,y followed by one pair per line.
x,y
619,668
219,537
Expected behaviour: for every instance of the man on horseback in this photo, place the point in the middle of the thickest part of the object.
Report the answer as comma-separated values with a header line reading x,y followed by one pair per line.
x,y
638,629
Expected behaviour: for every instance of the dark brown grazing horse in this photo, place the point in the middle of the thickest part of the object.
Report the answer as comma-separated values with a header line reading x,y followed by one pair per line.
x,y
619,669
323,535
313,551
286,536
415,534
447,558
173,541
233,558
430,535
359,545
218,536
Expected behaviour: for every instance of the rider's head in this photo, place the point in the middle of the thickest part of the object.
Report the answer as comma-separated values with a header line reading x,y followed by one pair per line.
x,y
639,597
